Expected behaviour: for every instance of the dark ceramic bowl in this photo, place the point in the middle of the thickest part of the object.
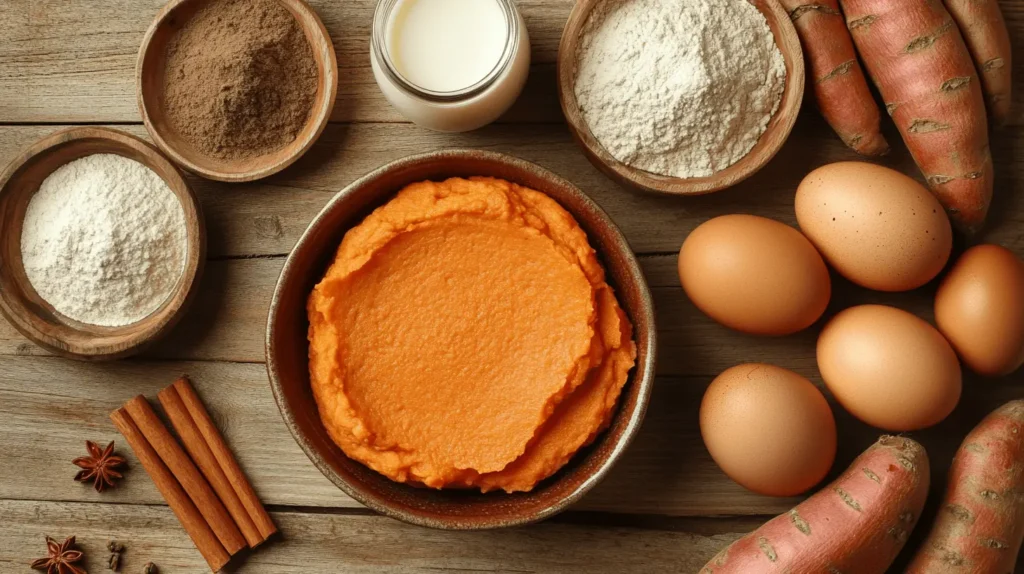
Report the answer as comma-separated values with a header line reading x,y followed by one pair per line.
x,y
287,349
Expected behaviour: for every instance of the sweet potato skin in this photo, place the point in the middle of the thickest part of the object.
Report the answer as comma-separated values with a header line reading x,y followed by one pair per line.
x,y
840,87
980,525
916,57
856,525
984,29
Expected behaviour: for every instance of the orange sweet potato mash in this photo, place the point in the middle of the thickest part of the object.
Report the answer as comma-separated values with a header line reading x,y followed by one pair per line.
x,y
464,336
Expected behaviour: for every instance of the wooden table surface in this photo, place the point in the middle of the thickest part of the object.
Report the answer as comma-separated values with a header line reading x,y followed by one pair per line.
x,y
665,507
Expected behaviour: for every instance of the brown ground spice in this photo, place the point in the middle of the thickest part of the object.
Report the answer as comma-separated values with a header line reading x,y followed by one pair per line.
x,y
240,79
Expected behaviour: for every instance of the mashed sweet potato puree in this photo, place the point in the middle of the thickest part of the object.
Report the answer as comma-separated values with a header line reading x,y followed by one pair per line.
x,y
464,336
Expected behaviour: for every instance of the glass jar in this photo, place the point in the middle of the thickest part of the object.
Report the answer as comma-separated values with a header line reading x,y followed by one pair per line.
x,y
450,110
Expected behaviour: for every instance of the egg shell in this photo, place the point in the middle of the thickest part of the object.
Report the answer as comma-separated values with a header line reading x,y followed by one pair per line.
x,y
875,226
754,274
980,309
889,368
769,429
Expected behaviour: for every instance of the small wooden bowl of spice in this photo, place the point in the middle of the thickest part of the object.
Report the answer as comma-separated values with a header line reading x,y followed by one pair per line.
x,y
236,90
682,98
102,242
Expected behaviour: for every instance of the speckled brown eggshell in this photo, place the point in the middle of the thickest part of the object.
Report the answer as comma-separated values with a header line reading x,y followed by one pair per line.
x,y
980,309
754,274
769,429
874,225
889,368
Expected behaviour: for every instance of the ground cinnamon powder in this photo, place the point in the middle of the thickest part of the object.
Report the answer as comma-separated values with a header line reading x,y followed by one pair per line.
x,y
240,78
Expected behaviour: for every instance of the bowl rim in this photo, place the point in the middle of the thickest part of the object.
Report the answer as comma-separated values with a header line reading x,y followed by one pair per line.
x,y
178,301
786,39
320,116
642,375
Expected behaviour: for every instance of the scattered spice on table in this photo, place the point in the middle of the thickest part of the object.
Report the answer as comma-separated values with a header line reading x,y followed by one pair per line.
x,y
240,79
61,558
101,467
116,549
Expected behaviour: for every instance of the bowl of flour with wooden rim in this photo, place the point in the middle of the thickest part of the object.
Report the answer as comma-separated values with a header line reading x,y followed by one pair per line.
x,y
102,244
680,96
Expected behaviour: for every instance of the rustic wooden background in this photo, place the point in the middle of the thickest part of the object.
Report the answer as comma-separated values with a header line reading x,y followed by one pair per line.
x,y
665,507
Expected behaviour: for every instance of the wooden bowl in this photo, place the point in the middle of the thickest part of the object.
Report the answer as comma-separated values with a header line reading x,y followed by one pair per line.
x,y
150,72
25,309
779,127
288,348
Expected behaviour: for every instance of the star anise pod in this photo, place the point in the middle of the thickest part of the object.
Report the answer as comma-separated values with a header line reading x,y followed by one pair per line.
x,y
61,558
99,467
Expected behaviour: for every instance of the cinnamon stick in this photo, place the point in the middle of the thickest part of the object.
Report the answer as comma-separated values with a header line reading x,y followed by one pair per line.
x,y
179,502
187,474
201,454
224,457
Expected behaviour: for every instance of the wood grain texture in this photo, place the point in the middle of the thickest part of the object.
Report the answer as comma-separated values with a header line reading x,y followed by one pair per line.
x,y
42,81
666,471
356,544
228,319
267,217
71,61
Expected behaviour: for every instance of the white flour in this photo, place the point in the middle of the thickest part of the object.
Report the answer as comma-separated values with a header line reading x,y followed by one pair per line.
x,y
678,87
104,240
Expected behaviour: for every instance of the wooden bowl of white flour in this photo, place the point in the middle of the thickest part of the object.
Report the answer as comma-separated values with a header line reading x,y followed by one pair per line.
x,y
680,96
102,244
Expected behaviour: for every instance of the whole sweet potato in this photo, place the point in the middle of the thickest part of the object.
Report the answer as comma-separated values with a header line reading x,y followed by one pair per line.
x,y
980,525
917,58
835,75
856,525
984,29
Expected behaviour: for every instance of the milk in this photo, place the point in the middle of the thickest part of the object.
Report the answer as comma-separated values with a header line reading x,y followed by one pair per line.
x,y
446,45
449,65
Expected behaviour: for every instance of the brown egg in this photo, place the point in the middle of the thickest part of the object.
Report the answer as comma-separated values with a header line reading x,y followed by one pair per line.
x,y
754,275
769,429
875,226
889,368
980,309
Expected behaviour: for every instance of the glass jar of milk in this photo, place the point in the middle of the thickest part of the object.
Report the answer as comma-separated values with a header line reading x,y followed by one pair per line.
x,y
450,65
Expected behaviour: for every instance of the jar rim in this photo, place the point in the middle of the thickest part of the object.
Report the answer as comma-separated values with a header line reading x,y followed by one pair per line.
x,y
378,40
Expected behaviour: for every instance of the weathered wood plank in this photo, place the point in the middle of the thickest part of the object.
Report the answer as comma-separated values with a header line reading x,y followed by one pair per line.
x,y
350,544
48,406
41,80
266,218
68,402
228,322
